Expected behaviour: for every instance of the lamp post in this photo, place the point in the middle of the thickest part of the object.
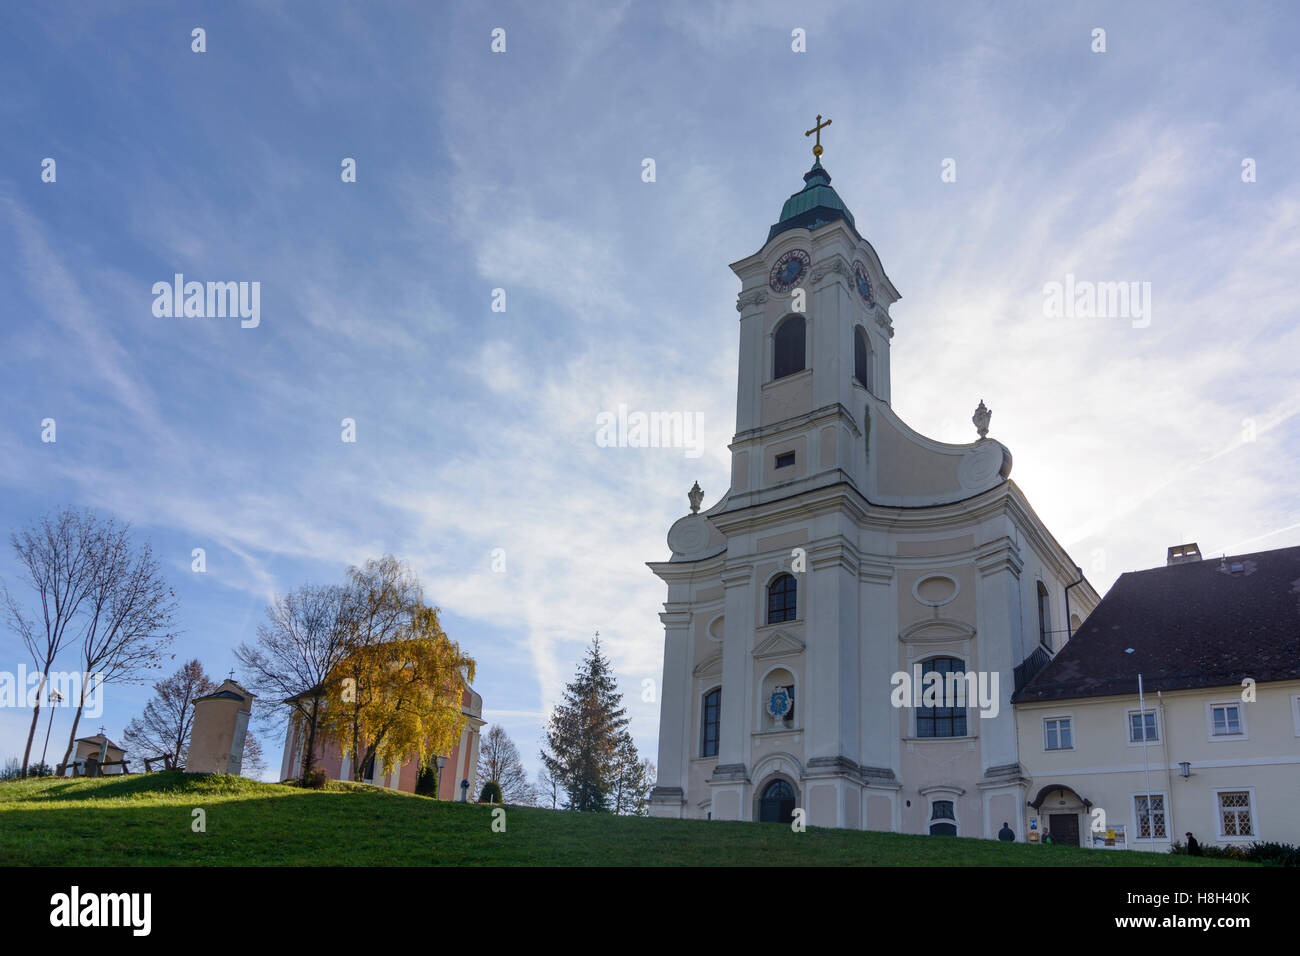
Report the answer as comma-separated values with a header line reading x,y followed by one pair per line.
x,y
437,781
55,698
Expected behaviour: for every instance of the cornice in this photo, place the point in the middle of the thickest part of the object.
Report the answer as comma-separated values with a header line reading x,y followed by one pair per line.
x,y
683,572
1000,554
838,551
959,630
823,415
737,576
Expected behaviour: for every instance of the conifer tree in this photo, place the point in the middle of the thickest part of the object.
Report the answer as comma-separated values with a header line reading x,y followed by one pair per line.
x,y
587,737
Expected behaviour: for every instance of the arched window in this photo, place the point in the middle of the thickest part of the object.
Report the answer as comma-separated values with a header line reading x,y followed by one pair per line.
x,y
777,803
941,721
1044,617
712,721
943,822
788,347
782,599
861,357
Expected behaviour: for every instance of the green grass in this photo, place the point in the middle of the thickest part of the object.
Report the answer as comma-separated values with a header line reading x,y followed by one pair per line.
x,y
145,820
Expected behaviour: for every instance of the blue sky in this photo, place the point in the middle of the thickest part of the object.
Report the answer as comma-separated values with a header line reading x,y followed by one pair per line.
x,y
522,171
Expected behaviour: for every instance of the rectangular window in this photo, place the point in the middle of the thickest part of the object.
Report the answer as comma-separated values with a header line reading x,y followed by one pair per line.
x,y
1147,822
785,460
1235,819
1136,726
941,721
1058,733
1226,719
712,721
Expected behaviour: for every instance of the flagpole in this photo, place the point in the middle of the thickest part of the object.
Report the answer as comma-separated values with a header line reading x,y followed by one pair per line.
x,y
1146,765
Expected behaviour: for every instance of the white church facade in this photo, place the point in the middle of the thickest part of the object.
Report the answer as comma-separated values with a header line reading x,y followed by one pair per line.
x,y
848,549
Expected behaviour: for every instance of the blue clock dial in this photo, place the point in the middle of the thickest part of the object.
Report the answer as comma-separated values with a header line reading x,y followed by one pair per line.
x,y
788,270
863,283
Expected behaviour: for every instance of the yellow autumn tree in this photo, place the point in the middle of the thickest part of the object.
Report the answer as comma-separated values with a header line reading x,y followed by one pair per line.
x,y
398,692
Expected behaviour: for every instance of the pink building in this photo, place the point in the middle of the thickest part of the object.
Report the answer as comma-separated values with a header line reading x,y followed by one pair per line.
x,y
457,771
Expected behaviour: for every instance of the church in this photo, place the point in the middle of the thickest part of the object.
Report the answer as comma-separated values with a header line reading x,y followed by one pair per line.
x,y
849,551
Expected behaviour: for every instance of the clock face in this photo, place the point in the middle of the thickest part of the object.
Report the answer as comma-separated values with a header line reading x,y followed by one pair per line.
x,y
789,269
864,283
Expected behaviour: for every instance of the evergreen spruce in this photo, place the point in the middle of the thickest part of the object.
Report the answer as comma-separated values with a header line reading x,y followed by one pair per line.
x,y
588,744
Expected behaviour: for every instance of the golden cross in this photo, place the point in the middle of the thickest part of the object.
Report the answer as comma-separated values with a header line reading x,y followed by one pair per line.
x,y
817,150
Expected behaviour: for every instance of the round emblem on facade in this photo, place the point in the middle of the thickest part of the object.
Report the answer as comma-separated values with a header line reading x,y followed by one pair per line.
x,y
779,704
788,270
863,282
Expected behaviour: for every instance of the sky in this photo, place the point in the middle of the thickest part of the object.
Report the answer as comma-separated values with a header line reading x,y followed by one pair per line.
x,y
1167,158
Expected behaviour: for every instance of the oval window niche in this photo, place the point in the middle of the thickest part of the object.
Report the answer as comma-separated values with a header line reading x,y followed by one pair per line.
x,y
935,590
715,628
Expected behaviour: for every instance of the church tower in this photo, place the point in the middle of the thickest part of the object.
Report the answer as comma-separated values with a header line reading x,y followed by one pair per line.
x,y
814,344
848,549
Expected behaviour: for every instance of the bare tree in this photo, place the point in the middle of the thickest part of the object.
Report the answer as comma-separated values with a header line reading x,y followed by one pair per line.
x,y
498,759
307,634
548,789
253,764
168,718
128,613
57,556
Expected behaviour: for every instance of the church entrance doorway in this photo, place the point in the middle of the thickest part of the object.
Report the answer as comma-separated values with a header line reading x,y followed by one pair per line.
x,y
777,803
1064,828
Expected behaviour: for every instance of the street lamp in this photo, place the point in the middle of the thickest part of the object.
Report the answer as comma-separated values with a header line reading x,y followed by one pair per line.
x,y
437,780
55,698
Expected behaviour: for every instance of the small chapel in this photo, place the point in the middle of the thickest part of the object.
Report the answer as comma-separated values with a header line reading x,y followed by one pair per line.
x,y
849,550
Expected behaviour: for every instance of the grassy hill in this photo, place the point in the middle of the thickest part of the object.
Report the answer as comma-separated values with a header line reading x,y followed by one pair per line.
x,y
145,820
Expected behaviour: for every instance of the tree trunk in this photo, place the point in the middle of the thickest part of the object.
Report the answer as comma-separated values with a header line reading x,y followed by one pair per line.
x,y
31,733
72,737
309,758
357,762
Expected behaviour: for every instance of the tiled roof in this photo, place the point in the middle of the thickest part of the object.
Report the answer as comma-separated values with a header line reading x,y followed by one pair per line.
x,y
1205,623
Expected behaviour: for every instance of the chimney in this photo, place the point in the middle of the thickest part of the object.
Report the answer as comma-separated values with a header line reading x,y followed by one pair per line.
x,y
1183,554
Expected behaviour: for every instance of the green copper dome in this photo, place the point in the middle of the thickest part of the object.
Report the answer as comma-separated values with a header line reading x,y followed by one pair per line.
x,y
815,205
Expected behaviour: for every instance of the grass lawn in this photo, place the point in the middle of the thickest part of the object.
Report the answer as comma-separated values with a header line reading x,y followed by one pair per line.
x,y
145,820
